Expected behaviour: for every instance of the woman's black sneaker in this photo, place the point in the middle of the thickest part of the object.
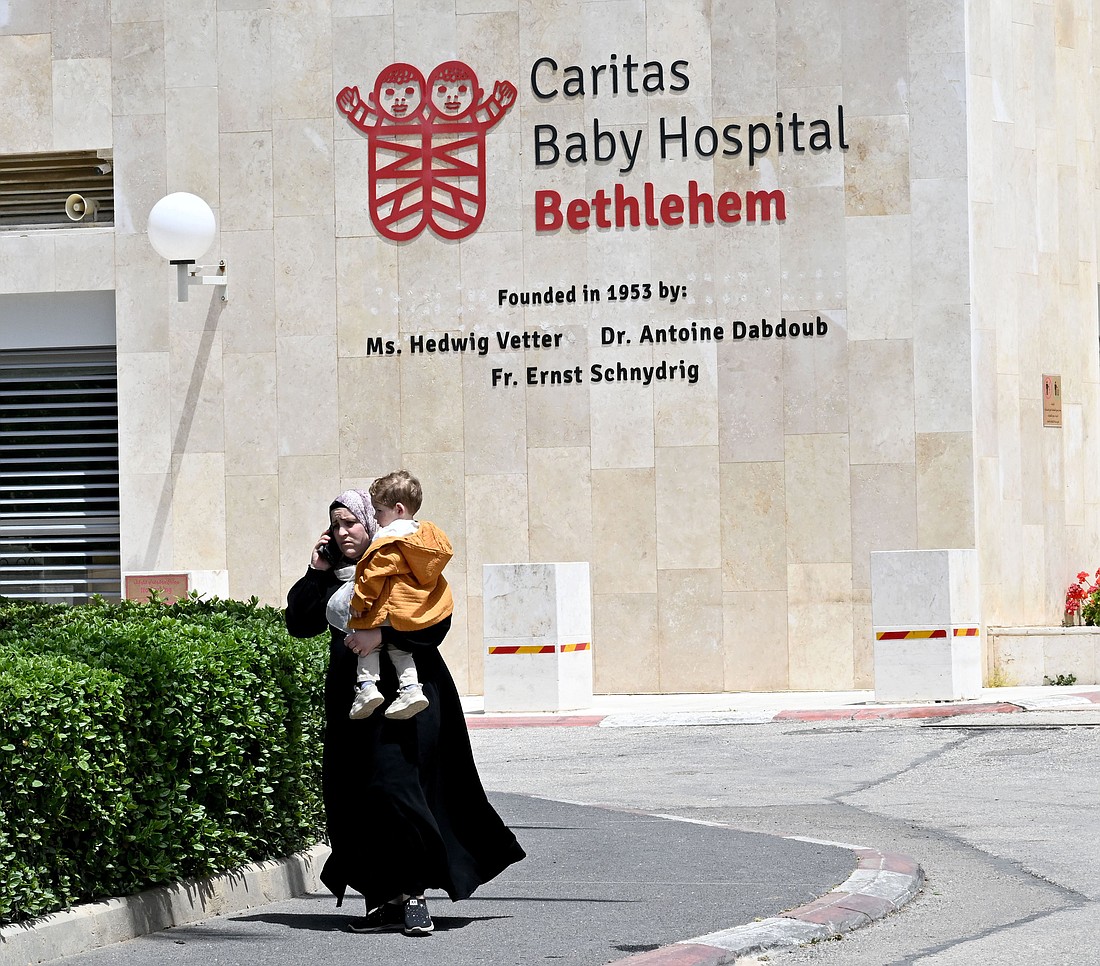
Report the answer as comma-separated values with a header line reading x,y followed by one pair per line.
x,y
417,920
387,917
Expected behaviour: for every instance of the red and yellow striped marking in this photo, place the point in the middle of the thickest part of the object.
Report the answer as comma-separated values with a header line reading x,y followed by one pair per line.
x,y
909,635
522,649
966,632
537,648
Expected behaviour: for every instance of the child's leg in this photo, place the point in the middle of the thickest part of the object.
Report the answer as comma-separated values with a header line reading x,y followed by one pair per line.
x,y
404,664
410,698
367,667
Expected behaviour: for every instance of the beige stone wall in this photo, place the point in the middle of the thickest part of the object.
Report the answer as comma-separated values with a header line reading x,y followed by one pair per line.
x,y
1033,220
728,522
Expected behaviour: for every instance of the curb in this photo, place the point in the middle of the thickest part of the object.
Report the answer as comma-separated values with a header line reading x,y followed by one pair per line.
x,y
1079,701
94,924
882,883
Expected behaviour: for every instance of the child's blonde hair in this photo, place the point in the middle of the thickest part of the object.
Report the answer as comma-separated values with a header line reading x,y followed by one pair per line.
x,y
399,486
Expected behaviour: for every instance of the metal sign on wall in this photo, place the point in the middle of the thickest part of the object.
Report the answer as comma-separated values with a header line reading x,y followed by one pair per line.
x,y
1052,401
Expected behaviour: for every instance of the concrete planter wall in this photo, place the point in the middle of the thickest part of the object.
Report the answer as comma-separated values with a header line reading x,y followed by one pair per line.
x,y
1028,654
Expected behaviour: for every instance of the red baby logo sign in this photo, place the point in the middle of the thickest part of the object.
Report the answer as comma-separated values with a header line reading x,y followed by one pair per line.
x,y
426,145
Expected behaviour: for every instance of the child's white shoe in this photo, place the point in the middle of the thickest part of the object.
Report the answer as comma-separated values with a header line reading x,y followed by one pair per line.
x,y
410,700
367,700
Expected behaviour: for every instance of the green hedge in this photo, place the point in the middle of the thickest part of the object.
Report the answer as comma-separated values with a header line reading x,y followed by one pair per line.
x,y
142,743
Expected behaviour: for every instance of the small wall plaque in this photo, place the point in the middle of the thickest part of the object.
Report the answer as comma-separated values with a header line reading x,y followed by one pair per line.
x,y
170,587
1052,401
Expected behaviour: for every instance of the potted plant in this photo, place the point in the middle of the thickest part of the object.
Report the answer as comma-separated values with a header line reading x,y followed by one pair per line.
x,y
1083,600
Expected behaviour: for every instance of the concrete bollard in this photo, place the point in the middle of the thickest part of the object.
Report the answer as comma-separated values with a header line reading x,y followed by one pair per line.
x,y
926,619
538,636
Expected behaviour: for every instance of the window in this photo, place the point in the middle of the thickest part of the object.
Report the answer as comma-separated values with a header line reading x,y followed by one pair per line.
x,y
59,503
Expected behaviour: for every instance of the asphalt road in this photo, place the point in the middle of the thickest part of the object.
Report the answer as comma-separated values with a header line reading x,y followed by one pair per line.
x,y
1000,811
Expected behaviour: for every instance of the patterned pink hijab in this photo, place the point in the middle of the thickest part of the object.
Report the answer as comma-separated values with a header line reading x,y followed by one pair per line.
x,y
358,502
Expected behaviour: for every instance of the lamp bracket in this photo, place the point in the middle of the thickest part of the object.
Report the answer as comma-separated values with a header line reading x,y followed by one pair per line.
x,y
188,274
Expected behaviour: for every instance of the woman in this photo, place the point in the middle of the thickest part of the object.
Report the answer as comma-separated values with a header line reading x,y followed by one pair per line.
x,y
404,805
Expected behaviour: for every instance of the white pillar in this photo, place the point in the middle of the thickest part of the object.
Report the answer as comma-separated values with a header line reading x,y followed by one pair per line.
x,y
927,623
538,636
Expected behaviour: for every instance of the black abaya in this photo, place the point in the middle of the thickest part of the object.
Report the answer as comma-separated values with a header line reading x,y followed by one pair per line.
x,y
404,806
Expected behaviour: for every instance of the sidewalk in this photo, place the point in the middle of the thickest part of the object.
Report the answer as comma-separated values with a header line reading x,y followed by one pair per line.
x,y
670,710
882,882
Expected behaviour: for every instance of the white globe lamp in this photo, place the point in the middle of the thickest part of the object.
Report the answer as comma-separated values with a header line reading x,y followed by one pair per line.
x,y
181,228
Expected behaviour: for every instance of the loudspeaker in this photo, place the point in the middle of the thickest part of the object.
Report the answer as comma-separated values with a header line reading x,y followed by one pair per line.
x,y
77,207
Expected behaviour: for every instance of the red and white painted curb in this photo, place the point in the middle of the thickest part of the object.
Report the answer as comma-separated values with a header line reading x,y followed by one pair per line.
x,y
1075,701
882,883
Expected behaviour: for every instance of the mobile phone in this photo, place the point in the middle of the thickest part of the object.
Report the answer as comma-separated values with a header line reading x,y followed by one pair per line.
x,y
330,552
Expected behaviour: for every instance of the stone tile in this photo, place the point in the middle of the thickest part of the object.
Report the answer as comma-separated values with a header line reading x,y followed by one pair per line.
x,y
877,166
624,644
689,621
191,46
146,528
303,363
82,104
247,178
881,407
500,415
622,415
253,563
145,414
26,19
307,484
198,402
244,53
942,369
750,402
248,321
302,166
140,170
559,490
879,274
370,436
685,413
301,44
884,515
251,414
876,59
813,250
688,501
25,76
941,267
497,528
754,527
27,263
744,73
819,523
305,275
815,382
84,261
79,31
945,492
755,641
366,297
809,34
198,512
433,414
144,287
938,116
192,143
819,627
137,67
624,557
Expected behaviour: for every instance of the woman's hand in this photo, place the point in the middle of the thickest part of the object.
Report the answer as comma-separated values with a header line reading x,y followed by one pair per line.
x,y
363,642
317,562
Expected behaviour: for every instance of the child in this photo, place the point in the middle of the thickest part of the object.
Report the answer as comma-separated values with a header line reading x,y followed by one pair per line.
x,y
399,586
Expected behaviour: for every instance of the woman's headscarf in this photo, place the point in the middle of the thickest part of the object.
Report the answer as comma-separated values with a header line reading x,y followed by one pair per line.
x,y
358,502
